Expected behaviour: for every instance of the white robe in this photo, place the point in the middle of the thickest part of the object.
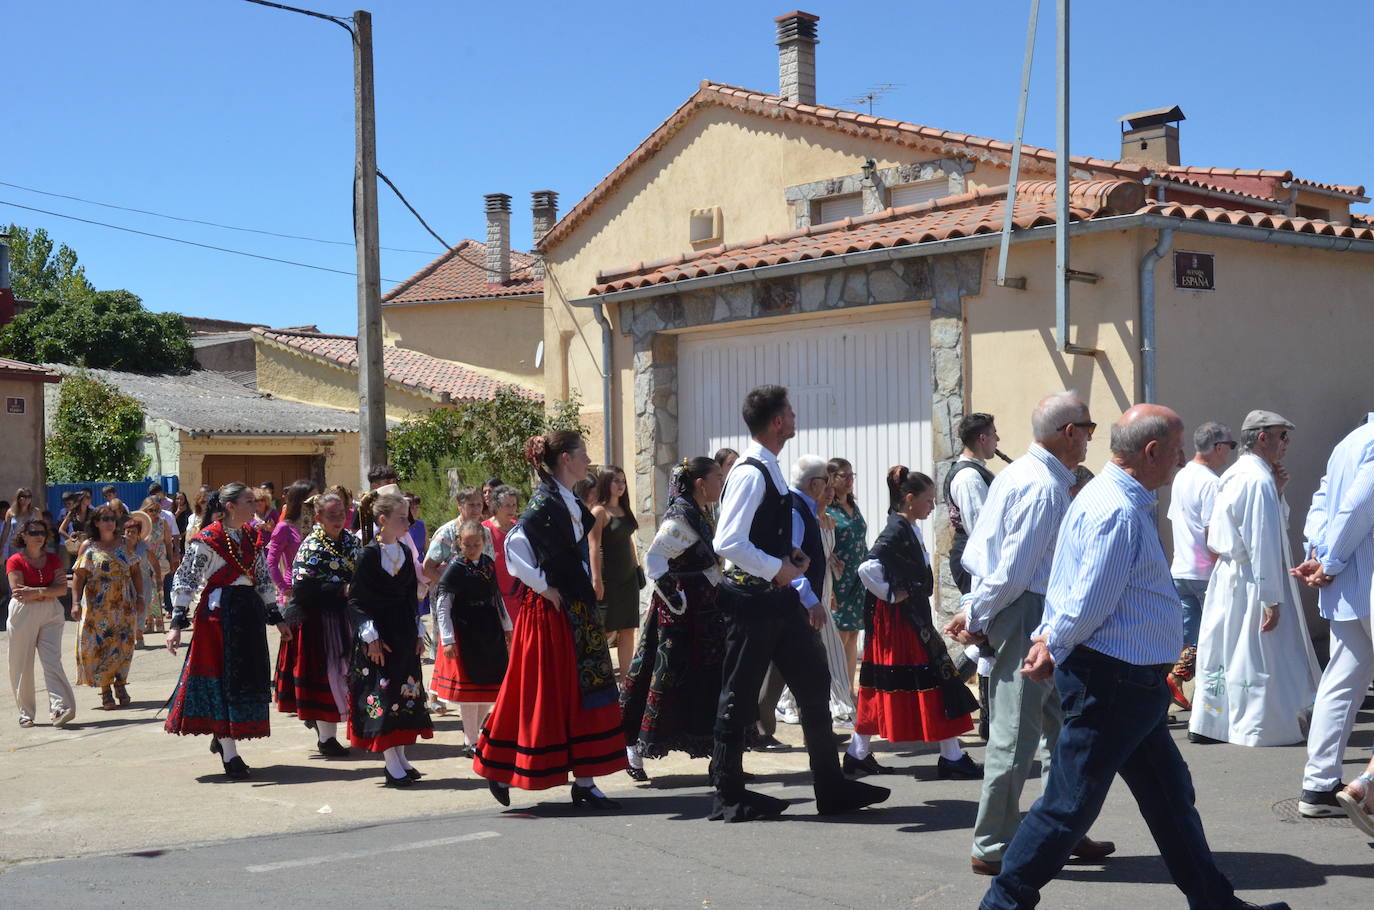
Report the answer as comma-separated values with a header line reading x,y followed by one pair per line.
x,y
1252,685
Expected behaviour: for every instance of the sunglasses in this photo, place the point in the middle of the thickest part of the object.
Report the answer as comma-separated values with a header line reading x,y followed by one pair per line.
x,y
38,533
1230,444
1082,425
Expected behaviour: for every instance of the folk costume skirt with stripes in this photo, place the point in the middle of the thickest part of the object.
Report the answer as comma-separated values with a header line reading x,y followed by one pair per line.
x,y
539,733
899,696
225,688
312,668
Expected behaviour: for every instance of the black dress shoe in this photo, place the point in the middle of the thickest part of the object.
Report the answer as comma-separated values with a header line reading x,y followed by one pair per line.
x,y
749,807
851,796
467,752
769,744
637,774
402,781
1276,905
235,769
963,769
857,767
588,797
1087,848
215,747
332,748
501,793
414,773
1202,740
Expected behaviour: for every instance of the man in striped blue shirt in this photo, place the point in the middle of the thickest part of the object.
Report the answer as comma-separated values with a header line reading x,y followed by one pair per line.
x,y
1111,631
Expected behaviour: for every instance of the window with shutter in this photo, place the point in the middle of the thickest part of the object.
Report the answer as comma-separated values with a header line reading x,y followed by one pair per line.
x,y
836,208
921,191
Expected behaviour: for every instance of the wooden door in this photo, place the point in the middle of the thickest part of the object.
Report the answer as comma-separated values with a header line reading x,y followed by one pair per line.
x,y
217,470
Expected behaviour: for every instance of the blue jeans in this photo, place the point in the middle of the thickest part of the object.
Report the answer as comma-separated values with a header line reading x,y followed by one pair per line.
x,y
1191,593
1115,722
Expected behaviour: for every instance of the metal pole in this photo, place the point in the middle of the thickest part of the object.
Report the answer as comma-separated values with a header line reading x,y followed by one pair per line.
x,y
1016,146
1061,177
371,387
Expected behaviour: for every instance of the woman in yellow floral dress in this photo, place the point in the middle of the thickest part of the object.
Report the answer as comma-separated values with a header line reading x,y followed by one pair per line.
x,y
108,587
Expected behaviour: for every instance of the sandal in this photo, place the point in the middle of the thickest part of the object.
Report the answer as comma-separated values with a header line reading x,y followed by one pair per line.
x,y
107,700
1357,806
122,694
25,720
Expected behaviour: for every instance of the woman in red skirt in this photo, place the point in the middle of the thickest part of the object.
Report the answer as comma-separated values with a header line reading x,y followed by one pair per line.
x,y
909,690
558,710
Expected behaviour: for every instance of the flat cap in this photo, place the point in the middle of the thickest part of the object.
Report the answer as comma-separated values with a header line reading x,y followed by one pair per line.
x,y
1258,420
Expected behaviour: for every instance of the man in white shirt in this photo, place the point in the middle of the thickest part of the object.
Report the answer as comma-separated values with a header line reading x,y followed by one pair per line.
x,y
1190,507
766,622
966,488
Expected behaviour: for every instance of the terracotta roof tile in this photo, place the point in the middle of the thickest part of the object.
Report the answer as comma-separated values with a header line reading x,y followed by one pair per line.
x,y
1275,222
1263,183
460,274
432,376
22,369
913,135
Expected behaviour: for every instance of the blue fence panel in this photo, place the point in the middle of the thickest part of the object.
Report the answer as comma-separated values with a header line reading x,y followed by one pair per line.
x,y
132,494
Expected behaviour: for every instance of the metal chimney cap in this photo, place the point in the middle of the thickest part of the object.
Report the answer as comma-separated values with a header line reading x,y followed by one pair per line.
x,y
1154,117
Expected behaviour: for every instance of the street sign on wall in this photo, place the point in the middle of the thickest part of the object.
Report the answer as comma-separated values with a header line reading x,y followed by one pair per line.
x,y
1194,271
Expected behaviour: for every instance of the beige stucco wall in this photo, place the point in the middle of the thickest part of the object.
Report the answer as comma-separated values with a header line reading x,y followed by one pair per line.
x,y
742,163
498,337
294,377
21,439
340,450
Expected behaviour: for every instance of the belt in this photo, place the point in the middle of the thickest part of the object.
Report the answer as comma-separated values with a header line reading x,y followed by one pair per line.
x,y
1098,655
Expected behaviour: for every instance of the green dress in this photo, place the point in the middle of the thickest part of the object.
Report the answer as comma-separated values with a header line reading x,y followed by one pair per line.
x,y
851,548
620,605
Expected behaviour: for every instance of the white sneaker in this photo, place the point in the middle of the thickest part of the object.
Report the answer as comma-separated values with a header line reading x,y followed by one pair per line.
x,y
63,716
787,717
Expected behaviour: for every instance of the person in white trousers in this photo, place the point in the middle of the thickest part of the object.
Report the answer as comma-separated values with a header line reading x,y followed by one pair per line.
x,y
37,579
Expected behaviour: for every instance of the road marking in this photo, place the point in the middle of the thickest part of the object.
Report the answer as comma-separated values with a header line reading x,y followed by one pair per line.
x,y
364,854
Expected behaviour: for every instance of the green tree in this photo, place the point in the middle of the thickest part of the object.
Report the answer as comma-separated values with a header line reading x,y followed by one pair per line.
x,y
480,438
71,322
95,433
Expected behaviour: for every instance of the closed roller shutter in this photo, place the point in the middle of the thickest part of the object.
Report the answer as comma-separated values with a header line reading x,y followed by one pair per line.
x,y
840,207
916,193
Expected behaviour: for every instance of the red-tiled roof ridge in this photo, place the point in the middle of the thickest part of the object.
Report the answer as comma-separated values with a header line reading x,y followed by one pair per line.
x,y
1094,196
1187,180
460,274
21,368
851,122
1273,222
431,376
1356,193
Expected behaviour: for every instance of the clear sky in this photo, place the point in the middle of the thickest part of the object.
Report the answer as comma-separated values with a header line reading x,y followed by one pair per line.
x,y
224,111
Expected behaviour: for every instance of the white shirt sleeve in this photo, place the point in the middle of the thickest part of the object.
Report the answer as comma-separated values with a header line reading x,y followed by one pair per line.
x,y
367,632
520,561
743,494
969,493
672,540
872,577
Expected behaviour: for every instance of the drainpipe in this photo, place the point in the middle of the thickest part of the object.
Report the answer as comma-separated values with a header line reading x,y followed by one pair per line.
x,y
1147,312
599,312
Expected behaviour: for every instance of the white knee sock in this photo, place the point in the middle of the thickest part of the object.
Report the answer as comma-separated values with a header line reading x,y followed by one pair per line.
x,y
393,763
636,760
401,754
473,716
326,730
950,750
858,745
229,747
590,784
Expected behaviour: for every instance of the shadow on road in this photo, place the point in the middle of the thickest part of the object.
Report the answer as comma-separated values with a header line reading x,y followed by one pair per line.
x,y
1247,871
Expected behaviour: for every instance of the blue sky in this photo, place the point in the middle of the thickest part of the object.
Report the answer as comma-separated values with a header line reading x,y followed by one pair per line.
x,y
224,111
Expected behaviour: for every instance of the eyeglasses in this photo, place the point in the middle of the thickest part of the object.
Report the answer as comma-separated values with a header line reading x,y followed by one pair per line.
x,y
38,533
1284,436
1229,443
847,475
105,518
1082,425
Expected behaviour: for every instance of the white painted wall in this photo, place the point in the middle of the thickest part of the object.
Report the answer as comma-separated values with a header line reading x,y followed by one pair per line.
x,y
860,387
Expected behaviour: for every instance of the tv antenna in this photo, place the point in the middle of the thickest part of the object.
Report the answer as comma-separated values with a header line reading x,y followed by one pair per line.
x,y
873,93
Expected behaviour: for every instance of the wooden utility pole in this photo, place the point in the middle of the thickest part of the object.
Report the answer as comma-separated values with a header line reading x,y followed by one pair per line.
x,y
371,388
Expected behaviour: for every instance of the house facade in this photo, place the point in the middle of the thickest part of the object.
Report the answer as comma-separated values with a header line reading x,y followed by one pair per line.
x,y
22,426
853,258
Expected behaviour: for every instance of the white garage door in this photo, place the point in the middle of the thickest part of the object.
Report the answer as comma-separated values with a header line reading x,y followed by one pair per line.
x,y
860,387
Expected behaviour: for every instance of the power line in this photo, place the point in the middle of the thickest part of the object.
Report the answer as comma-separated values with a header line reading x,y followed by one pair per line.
x,y
340,21
206,246
228,227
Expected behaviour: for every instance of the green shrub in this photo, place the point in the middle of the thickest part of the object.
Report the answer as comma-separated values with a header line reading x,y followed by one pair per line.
x,y
95,433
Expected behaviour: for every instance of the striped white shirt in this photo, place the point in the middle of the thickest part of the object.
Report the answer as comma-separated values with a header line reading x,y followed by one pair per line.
x,y
1010,548
1110,587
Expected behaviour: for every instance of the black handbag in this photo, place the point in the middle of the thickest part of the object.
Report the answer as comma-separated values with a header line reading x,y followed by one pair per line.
x,y
293,613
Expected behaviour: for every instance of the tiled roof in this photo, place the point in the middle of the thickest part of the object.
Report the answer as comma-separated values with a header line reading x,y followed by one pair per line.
x,y
899,132
1208,188
18,368
1261,182
460,274
207,403
430,376
971,214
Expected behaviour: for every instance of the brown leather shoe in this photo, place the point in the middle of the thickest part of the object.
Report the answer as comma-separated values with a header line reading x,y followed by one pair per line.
x,y
985,867
1093,849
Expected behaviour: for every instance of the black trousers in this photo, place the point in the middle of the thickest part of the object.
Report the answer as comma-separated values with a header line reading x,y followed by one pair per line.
x,y
772,627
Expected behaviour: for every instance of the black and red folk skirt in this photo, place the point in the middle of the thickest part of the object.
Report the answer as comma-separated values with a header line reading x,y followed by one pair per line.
x,y
225,687
899,696
539,732
303,662
451,681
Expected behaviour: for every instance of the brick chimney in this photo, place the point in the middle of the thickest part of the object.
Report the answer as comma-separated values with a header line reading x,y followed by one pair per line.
x,y
544,206
498,238
797,56
1151,137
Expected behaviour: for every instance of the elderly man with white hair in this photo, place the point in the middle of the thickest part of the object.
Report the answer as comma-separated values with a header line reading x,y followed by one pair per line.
x,y
1009,555
809,480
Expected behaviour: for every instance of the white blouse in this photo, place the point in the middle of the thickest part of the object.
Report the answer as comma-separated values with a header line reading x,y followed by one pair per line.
x,y
520,560
674,538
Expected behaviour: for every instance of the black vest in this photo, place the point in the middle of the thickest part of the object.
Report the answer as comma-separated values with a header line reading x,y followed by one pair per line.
x,y
771,530
811,544
955,519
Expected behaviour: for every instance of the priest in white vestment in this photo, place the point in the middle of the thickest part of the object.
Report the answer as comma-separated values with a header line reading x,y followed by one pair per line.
x,y
1256,670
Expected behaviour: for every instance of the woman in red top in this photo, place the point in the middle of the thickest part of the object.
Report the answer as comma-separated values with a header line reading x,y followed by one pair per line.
x,y
37,578
505,508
